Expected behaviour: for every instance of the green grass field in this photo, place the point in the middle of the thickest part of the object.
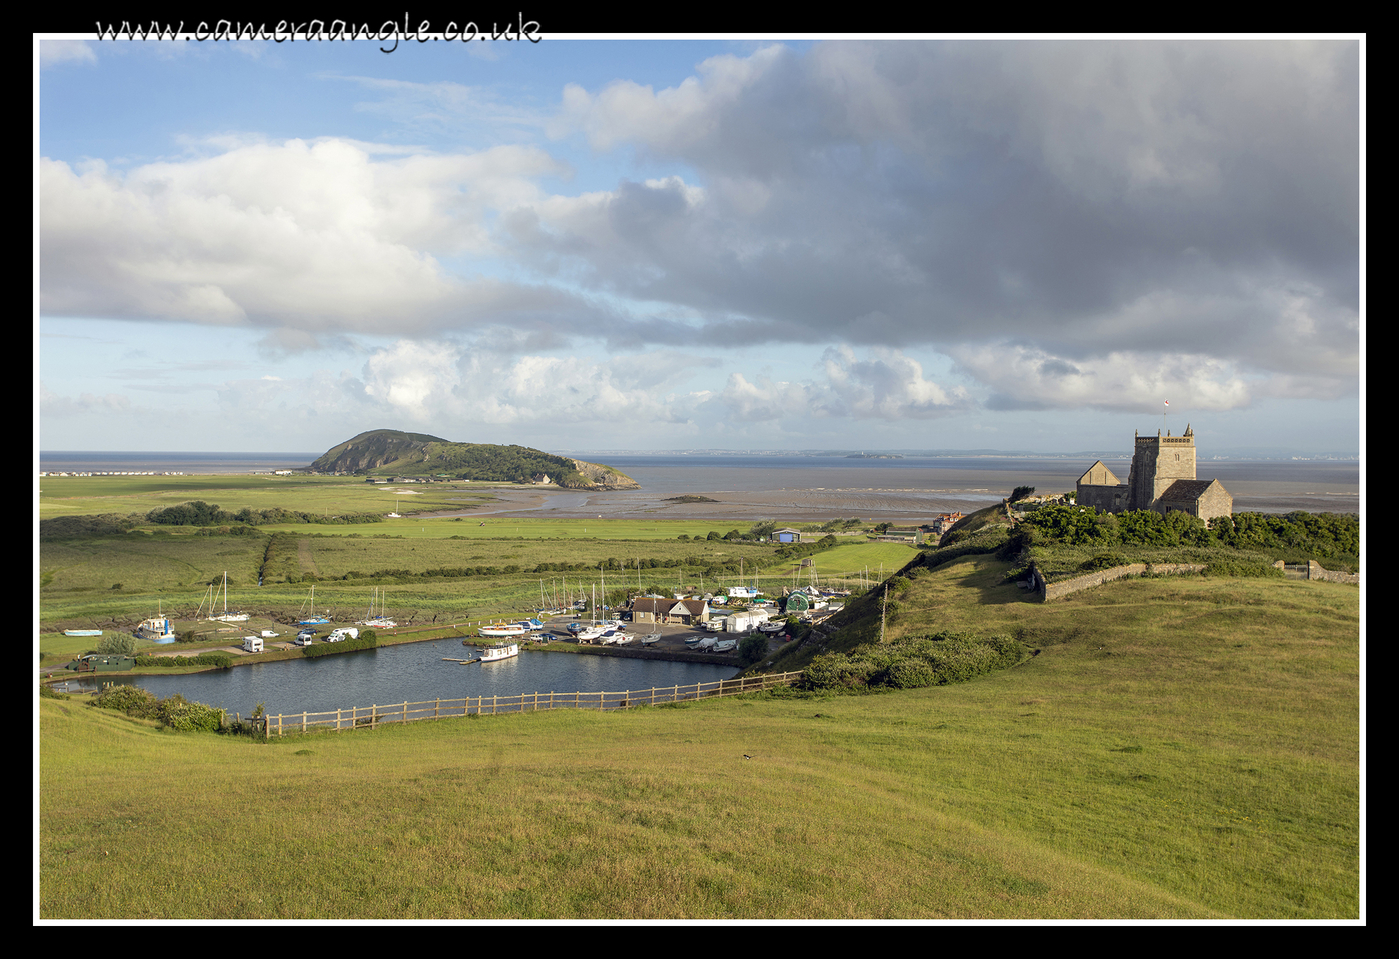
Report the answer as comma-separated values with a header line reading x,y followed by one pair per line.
x,y
1176,748
1180,749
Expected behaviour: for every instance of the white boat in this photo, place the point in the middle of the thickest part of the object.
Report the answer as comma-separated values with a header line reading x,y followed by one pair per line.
x,y
650,639
502,630
84,632
380,621
591,633
726,645
490,654
157,629
706,644
774,626
226,616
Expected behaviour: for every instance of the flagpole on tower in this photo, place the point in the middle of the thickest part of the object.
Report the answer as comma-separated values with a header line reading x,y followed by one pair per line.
x,y
1166,409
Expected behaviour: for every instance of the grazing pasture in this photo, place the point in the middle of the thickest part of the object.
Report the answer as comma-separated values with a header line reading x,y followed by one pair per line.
x,y
1177,749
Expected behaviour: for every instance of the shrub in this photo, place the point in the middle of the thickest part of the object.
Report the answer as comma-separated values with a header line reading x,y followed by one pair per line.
x,y
913,663
179,713
124,698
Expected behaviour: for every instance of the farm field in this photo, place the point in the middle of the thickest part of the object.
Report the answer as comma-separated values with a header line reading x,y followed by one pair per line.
x,y
1177,749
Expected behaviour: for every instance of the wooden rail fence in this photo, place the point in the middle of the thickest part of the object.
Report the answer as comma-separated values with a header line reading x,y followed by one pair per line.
x,y
368,717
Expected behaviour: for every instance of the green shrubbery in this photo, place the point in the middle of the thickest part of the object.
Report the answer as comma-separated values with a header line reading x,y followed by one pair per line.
x,y
1246,544
365,640
218,660
175,712
200,513
913,662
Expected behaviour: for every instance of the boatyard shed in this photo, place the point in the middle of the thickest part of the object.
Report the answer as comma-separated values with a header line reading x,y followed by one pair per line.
x,y
658,609
786,536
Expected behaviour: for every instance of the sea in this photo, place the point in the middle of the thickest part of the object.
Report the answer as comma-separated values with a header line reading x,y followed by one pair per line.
x,y
802,485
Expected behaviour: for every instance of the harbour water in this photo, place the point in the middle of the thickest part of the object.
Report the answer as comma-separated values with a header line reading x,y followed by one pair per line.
x,y
410,672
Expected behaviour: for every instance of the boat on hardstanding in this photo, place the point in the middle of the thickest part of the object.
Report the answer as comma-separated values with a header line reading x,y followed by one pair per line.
x,y
490,654
156,629
313,619
650,639
379,620
226,616
83,632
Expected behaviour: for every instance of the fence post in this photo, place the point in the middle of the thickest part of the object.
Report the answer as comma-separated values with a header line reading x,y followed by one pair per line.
x,y
405,710
373,715
303,720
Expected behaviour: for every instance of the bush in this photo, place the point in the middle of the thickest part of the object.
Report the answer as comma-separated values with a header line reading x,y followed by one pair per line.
x,y
124,698
913,663
179,713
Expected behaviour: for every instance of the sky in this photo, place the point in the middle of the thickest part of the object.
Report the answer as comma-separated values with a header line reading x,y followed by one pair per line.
x,y
592,244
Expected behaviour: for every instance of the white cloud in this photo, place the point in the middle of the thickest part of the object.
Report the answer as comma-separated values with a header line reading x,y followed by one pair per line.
x,y
53,52
320,235
888,386
1029,378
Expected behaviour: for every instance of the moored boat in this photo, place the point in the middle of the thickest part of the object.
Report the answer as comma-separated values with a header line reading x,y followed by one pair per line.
x,y
500,630
490,654
82,632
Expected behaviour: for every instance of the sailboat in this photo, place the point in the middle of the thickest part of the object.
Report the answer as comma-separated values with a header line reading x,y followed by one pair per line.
x,y
226,616
377,622
314,620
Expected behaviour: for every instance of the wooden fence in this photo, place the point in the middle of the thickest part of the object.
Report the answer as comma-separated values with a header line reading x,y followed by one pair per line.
x,y
368,717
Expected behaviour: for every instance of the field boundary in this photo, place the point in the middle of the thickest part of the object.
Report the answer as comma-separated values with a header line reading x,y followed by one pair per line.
x,y
1051,591
370,717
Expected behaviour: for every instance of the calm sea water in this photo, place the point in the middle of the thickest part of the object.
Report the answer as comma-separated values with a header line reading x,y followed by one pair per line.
x,y
795,484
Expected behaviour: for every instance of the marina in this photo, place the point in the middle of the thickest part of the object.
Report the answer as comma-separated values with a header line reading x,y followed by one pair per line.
x,y
412,672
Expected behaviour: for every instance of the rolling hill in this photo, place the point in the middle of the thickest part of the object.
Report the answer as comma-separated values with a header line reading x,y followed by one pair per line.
x,y
396,453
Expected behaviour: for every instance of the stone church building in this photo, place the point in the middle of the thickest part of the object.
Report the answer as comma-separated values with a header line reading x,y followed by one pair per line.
x,y
1162,478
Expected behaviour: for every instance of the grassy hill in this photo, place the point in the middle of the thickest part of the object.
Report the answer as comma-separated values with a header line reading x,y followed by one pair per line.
x,y
1175,748
395,453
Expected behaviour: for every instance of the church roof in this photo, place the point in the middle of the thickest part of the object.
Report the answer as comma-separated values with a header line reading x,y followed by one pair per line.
x,y
1187,491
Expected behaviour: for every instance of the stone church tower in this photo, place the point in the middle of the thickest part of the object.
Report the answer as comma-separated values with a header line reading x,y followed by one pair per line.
x,y
1162,478
1157,462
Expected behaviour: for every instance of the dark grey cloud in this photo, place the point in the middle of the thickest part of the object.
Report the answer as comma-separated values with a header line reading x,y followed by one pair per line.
x,y
1086,196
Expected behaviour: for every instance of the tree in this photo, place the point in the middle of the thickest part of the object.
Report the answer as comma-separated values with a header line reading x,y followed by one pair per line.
x,y
753,648
119,644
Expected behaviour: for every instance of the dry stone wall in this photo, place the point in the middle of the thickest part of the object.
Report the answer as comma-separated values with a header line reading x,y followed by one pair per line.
x,y
1052,591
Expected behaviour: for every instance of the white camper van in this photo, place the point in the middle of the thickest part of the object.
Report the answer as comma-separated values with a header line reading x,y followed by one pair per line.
x,y
340,635
252,644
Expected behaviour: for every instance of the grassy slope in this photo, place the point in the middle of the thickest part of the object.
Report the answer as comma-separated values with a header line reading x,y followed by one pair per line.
x,y
1179,748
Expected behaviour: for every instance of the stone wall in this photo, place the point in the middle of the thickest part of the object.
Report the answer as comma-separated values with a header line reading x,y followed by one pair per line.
x,y
1313,570
1052,591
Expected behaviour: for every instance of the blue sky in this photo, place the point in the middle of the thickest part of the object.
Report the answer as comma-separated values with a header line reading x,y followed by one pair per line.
x,y
660,244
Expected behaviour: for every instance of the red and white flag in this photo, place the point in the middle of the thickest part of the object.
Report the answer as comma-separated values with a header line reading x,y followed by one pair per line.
x,y
1168,402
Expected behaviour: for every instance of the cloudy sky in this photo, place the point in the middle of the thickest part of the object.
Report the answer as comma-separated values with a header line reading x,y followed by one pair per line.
x,y
663,244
